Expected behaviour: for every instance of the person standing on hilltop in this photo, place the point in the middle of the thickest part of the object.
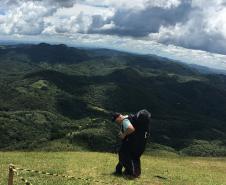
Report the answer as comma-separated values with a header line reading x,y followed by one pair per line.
x,y
134,132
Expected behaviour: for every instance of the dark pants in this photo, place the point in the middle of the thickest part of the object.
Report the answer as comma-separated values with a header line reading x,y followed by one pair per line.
x,y
128,160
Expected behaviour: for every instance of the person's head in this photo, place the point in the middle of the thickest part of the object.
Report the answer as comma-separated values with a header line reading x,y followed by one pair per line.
x,y
117,118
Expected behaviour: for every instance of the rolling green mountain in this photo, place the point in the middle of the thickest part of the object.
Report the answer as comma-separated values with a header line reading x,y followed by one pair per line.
x,y
52,93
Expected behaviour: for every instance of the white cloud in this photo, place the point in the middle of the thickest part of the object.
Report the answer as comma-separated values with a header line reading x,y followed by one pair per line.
x,y
204,30
78,19
164,4
27,19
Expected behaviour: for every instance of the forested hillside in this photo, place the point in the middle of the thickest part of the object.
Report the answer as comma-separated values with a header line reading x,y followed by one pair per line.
x,y
55,97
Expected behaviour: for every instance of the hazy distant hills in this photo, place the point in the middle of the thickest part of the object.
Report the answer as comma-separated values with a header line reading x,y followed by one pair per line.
x,y
54,92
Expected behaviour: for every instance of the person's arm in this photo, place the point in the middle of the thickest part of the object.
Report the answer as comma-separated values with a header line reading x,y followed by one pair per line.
x,y
127,132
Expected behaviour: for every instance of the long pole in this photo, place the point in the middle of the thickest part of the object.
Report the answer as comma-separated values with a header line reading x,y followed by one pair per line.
x,y
11,173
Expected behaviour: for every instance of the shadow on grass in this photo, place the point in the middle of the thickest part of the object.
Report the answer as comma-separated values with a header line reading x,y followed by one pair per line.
x,y
160,177
128,177
123,176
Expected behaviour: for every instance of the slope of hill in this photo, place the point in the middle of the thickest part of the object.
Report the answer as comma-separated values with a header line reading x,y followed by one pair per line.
x,y
68,89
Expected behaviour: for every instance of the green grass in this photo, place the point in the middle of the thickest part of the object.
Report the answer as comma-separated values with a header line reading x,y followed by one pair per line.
x,y
40,84
99,166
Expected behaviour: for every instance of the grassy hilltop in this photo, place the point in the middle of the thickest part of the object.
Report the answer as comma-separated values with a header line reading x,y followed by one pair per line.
x,y
55,97
97,168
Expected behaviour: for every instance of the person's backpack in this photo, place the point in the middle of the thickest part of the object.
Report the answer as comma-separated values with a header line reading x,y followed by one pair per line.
x,y
141,122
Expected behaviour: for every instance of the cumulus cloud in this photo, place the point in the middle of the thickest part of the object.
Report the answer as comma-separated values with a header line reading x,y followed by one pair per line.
x,y
79,19
205,29
142,22
26,19
192,24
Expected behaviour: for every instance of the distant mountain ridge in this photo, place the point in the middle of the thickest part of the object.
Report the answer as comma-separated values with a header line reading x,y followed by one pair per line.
x,y
207,70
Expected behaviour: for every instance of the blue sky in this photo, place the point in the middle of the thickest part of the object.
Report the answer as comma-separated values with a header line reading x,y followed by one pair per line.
x,y
193,31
